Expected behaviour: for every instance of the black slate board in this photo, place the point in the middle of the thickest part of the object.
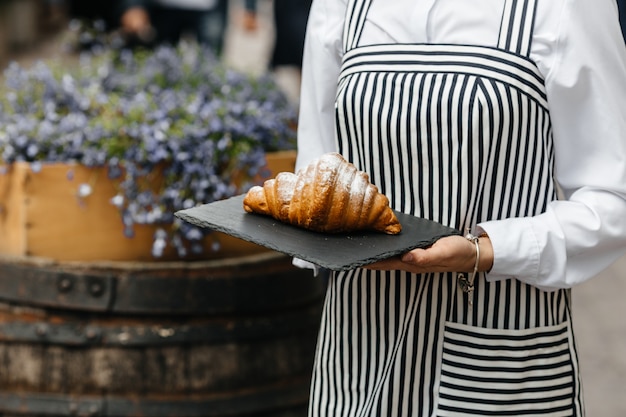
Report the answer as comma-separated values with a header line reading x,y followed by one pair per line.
x,y
333,251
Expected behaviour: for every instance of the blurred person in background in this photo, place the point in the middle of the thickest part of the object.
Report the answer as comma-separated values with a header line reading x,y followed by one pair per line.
x,y
166,21
290,20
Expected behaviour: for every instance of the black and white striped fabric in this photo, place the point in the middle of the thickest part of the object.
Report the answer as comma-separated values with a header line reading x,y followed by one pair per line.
x,y
486,371
457,134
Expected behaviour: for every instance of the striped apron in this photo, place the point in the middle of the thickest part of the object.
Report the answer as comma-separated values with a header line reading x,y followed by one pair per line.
x,y
457,134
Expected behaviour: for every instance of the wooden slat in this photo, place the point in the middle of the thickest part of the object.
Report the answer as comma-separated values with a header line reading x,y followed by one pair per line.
x,y
42,215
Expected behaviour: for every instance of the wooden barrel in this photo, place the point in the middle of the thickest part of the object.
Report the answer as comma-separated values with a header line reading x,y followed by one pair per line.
x,y
233,337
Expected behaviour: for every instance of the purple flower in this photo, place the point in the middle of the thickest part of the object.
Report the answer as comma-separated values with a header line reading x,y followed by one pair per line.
x,y
175,110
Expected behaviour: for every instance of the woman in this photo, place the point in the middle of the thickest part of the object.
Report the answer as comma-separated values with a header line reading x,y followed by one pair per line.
x,y
505,118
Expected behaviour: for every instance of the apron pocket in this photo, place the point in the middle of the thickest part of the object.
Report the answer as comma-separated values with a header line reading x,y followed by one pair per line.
x,y
506,372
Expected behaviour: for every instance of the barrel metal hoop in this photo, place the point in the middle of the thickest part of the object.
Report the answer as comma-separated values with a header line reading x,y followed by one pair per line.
x,y
224,330
56,288
173,289
275,397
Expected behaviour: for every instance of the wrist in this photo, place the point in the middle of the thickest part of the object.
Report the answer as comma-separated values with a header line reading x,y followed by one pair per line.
x,y
485,263
483,260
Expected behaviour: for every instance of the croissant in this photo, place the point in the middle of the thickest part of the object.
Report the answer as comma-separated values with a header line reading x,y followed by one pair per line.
x,y
329,195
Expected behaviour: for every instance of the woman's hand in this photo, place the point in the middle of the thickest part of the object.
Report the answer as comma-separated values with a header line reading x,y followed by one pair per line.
x,y
448,254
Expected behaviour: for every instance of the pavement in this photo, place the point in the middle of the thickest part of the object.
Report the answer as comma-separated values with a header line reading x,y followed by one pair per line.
x,y
599,315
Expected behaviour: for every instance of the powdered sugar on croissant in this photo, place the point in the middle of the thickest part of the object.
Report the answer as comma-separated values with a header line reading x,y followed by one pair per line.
x,y
328,195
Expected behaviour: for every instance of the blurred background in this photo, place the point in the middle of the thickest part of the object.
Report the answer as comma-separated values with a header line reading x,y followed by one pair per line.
x,y
34,29
246,39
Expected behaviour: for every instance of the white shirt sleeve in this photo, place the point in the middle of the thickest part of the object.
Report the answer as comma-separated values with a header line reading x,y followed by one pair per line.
x,y
320,71
585,232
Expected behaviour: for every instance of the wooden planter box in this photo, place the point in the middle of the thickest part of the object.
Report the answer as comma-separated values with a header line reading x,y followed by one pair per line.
x,y
42,215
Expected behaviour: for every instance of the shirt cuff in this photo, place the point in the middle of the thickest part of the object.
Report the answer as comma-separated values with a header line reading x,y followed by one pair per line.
x,y
516,251
300,263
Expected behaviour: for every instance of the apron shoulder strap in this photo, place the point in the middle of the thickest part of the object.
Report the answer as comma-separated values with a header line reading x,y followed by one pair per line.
x,y
356,13
516,29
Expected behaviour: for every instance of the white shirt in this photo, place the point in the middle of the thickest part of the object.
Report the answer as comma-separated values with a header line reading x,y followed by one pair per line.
x,y
579,49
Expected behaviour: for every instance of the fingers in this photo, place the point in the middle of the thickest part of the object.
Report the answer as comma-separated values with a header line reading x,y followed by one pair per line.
x,y
449,254
388,264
